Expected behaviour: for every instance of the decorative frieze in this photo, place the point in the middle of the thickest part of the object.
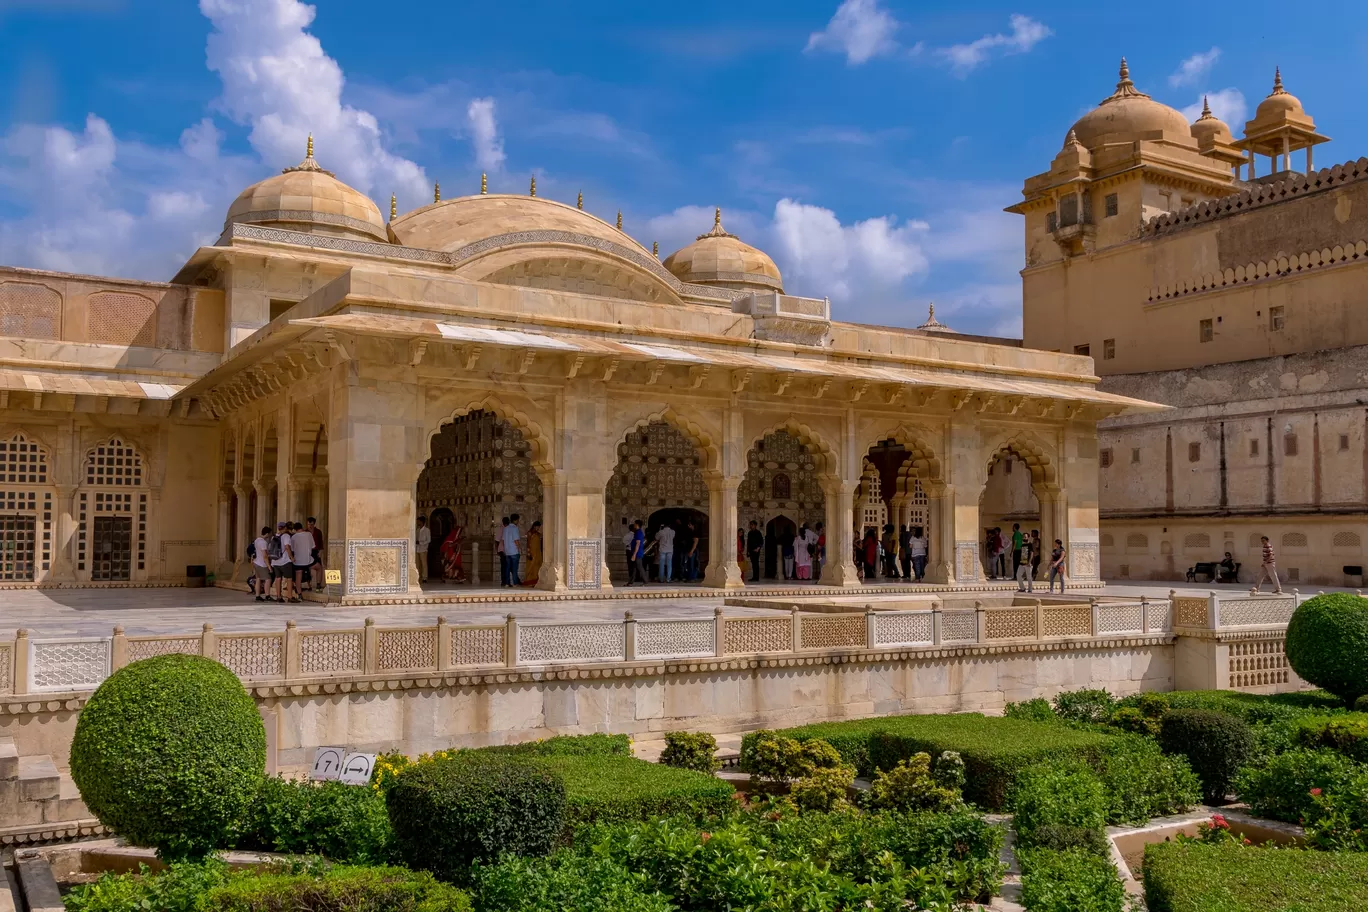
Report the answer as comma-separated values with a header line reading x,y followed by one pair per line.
x,y
377,566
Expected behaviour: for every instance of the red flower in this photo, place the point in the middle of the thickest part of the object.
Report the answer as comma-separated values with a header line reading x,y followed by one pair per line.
x,y
1219,822
704,837
1315,793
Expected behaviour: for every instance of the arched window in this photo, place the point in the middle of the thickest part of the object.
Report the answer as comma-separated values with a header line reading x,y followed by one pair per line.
x,y
22,461
780,487
111,532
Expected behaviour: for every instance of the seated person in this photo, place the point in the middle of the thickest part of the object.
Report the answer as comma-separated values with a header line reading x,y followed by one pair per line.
x,y
1228,569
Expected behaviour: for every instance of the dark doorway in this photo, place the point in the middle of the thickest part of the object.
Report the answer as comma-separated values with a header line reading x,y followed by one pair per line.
x,y
681,517
113,547
779,532
16,548
440,523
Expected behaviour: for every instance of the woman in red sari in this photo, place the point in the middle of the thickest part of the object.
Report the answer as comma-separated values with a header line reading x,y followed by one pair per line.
x,y
452,568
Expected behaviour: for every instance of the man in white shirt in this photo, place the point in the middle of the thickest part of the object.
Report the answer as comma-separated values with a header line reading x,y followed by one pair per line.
x,y
261,570
512,548
421,542
917,546
282,565
301,550
665,539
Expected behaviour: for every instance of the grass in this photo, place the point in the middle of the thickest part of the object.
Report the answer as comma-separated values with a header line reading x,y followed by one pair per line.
x,y
994,749
611,788
1232,878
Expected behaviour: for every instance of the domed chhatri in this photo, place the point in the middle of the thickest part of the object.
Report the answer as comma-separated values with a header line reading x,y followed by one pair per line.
x,y
1128,115
1211,128
308,199
722,259
932,324
1280,102
1280,127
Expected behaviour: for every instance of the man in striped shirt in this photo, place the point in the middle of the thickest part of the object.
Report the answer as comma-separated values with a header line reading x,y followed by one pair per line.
x,y
1268,568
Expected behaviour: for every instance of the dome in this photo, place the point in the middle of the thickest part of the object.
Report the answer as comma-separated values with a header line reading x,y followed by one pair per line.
x,y
307,198
933,325
719,258
1128,115
452,224
1280,103
1210,127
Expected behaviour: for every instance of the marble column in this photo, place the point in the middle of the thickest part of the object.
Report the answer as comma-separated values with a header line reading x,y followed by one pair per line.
x,y
723,570
238,549
64,541
839,569
940,563
554,574
263,515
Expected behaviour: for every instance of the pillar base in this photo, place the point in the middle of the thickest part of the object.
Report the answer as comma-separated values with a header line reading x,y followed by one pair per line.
x,y
727,576
842,574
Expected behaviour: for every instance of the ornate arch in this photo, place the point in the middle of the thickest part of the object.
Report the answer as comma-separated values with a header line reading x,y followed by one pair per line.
x,y
23,458
922,454
695,433
1030,450
530,429
827,459
106,463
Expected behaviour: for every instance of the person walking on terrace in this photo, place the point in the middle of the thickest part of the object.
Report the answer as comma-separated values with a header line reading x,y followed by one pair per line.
x,y
1023,568
1268,568
665,543
512,548
755,544
918,547
1057,564
422,540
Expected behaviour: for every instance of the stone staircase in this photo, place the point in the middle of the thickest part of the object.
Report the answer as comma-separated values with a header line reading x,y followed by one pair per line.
x,y
38,803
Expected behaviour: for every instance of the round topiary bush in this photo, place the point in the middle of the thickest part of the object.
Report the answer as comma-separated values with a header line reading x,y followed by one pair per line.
x,y
1216,744
1327,644
473,806
169,752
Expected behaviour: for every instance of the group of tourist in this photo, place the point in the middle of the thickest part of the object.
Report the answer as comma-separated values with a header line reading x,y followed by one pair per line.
x,y
901,554
670,539
286,562
1026,551
510,548
799,555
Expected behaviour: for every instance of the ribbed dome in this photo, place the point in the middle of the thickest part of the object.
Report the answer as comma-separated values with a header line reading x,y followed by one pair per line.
x,y
1128,115
307,198
722,259
452,224
1280,103
1211,127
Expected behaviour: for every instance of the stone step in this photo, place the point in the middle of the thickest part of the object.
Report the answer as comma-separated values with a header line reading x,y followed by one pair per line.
x,y
70,805
38,778
40,887
9,758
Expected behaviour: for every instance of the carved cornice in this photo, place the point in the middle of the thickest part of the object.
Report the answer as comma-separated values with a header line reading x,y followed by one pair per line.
x,y
1279,268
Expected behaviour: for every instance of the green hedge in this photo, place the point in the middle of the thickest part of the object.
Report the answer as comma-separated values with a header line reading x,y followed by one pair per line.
x,y
345,823
994,749
1252,708
1281,787
609,788
338,890
169,753
1075,880
566,882
1233,878
568,746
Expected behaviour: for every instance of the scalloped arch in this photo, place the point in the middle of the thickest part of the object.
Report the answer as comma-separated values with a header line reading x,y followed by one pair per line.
x,y
530,429
922,452
1029,449
828,461
694,432
118,440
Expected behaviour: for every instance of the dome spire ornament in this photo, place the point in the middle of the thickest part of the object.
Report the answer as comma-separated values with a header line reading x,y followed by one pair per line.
x,y
655,249
308,164
619,221
484,183
394,206
1277,82
437,191
308,149
579,203
532,191
932,324
1206,110
1124,87
717,229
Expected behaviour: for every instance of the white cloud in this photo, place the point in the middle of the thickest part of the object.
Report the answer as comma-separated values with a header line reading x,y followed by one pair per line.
x,y
1026,34
860,29
1195,68
1227,104
817,252
277,79
484,130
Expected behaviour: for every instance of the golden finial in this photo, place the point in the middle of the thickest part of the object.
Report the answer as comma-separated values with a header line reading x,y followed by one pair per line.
x,y
931,308
717,229
1124,87
619,225
1125,71
437,191
579,203
1277,82
717,218
308,150
484,182
533,191
655,249
394,207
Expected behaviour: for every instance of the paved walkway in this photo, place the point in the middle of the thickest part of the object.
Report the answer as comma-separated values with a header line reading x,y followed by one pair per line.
x,y
94,612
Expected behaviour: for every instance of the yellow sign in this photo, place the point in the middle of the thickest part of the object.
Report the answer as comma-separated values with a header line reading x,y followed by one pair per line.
x,y
333,577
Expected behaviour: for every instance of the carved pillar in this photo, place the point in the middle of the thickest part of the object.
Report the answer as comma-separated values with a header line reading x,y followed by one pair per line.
x,y
723,570
263,513
940,562
153,559
839,569
225,533
554,573
64,545
237,549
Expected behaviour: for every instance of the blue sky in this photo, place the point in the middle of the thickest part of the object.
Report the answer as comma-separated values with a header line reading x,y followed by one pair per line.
x,y
869,146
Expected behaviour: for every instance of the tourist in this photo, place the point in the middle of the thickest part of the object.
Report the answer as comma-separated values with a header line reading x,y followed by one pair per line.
x,y
905,551
803,546
1018,540
890,552
534,555
453,567
282,567
319,549
755,543
512,547
819,558
628,536
422,541
871,555
786,551
690,548
1022,559
1229,569
1000,552
918,546
301,548
261,570
990,554
637,564
741,552
1268,568
1035,554
1057,565
665,542
499,550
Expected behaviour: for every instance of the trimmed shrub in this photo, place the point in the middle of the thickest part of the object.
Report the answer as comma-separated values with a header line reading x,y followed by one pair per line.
x,y
823,789
770,755
949,771
341,889
1281,788
994,749
1327,644
1088,707
1034,710
1230,878
564,882
1256,709
1347,734
345,823
169,753
1217,745
599,745
600,789
1073,880
180,888
909,786
1338,818
695,751
1061,837
1142,782
474,805
1058,795
1361,704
